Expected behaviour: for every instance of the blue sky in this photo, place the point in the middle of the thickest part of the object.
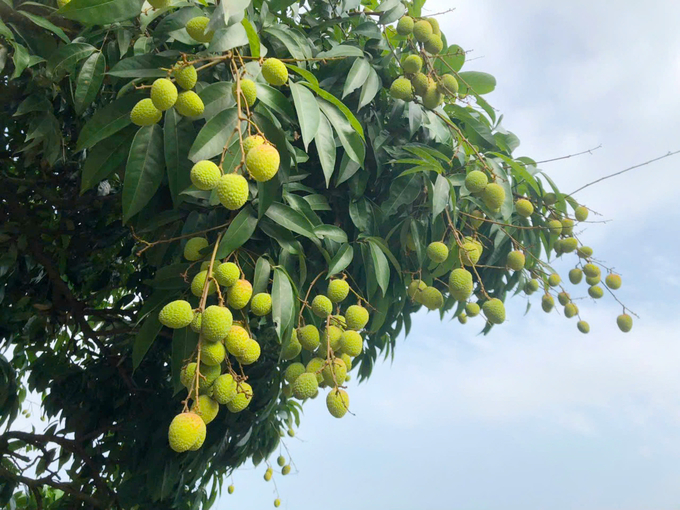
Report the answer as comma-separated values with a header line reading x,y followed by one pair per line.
x,y
535,415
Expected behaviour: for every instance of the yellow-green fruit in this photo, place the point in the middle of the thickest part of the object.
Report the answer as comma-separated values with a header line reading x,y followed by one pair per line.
x,y
236,339
263,162
292,348
581,213
432,299
305,386
405,25
516,260
274,72
189,104
460,284
470,253
268,474
593,280
185,431
432,98
249,352
227,274
549,198
583,327
415,289
462,318
216,323
563,298
625,322
558,247
186,77
412,64
331,335
554,280
206,408
337,402
224,389
435,25
401,88
230,489
261,304
205,175
315,366
524,208
239,294
569,245
613,281
177,314
252,142
339,321
493,196
248,91
196,29
595,292
434,44
591,270
567,226
337,290
477,220
357,317
322,306
192,250
144,113
422,30
437,252
62,3
575,276
348,363
351,343
554,227
294,371
196,323
584,252
547,303
531,286
281,461
448,85
163,94
213,353
472,309
205,265
570,310
494,310
421,83
335,368
286,469
308,336
232,191
244,394
198,283
186,375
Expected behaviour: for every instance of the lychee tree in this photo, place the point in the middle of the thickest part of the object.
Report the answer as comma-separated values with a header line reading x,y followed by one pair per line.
x,y
215,212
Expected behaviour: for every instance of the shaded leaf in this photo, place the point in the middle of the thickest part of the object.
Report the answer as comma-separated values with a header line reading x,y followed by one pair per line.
x,y
105,157
212,138
67,56
89,81
107,121
178,133
145,338
239,231
100,12
341,260
144,170
325,146
308,113
290,219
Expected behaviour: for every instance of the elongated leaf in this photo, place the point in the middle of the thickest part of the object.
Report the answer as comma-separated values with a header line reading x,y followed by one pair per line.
x,y
308,112
331,232
403,191
352,143
480,83
47,25
290,219
145,338
184,343
141,66
380,243
325,146
107,121
370,89
216,97
341,260
357,76
33,103
342,50
380,265
450,60
261,278
214,135
441,197
105,157
253,38
178,133
275,100
21,59
283,302
239,231
228,38
89,81
100,12
67,56
339,104
144,170
283,34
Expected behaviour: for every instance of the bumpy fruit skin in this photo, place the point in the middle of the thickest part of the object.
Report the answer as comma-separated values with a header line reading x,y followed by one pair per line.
x,y
591,270
432,299
144,113
448,85
613,281
227,274
357,317
198,283
331,335
624,322
593,280
531,285
554,227
322,306
294,371
177,314
248,91
581,213
249,352
292,348
567,226
186,77
476,181
570,310
192,250
437,252
405,25
422,30
308,336
569,245
554,280
432,98
583,327
337,402
494,310
163,94
337,290
196,323
186,375
524,208
470,253
206,408
213,353
421,83
338,368
239,294
575,276
401,88
196,29
351,343
493,196
261,304
315,366
244,394
216,323
516,260
412,64
435,25
263,162
189,104
185,431
232,191
472,309
305,386
434,44
547,303
252,142
274,72
205,175
415,289
595,292
224,389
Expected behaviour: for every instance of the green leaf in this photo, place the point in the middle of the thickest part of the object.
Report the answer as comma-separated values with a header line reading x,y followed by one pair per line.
x,y
145,338
441,197
340,105
144,170
107,121
308,112
89,81
261,278
370,89
105,157
283,302
212,138
331,232
283,34
357,76
477,82
100,12
67,56
178,133
450,60
341,260
33,103
184,343
141,66
216,97
239,231
253,38
325,146
228,38
275,100
290,219
403,191
21,60
380,265
352,143
386,250
342,50
42,22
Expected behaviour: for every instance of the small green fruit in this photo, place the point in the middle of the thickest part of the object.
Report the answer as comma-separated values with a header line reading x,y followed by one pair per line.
x,y
494,310
274,72
625,322
405,25
476,181
437,252
516,260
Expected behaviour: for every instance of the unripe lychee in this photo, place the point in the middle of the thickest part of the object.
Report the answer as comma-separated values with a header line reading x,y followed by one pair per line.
x,y
415,289
432,98
305,386
493,196
570,310
476,181
549,198
405,25
230,489
196,323
268,474
575,276
554,227
593,280
554,280
196,28
524,208
274,72
412,64
613,281
198,283
294,371
163,94
205,175
448,85
583,327
462,318
144,113
186,77
192,250
351,343
331,335
591,270
348,362
244,394
421,83
286,469
206,408
261,304
567,226
477,219
227,274
337,290
624,322
422,30
224,388
472,309
322,306
239,294
335,368
236,339
189,104
547,303
434,44
337,402
563,298
494,310
177,314
292,348
213,353
432,298
581,213
584,252
435,25
315,366
281,460
515,260
437,252
569,244
357,317
232,191
248,91
595,292
263,162
531,286
251,142
249,352
308,336
469,253
216,323
401,88
185,431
